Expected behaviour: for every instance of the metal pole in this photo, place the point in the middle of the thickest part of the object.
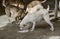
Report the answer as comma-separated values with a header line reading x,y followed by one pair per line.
x,y
56,9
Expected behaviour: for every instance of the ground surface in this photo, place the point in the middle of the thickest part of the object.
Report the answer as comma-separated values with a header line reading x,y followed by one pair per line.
x,y
41,32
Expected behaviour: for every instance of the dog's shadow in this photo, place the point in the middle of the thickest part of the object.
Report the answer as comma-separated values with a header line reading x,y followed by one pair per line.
x,y
43,25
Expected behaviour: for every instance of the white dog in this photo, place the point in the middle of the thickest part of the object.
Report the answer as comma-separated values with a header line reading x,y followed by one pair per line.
x,y
36,17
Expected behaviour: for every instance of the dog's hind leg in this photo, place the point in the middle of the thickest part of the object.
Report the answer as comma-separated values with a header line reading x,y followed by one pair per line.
x,y
46,18
33,27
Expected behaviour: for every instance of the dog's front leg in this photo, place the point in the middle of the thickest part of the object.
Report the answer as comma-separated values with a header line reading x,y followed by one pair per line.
x,y
33,27
46,18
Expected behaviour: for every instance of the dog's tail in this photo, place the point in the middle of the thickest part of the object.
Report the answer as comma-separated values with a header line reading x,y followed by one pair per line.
x,y
5,3
48,8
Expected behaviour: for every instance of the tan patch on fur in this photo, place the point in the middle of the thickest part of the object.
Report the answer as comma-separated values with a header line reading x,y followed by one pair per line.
x,y
32,4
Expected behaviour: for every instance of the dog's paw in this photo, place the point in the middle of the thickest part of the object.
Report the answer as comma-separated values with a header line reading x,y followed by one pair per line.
x,y
31,29
52,29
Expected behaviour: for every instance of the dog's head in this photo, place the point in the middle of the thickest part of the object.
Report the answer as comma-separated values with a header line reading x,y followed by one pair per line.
x,y
26,26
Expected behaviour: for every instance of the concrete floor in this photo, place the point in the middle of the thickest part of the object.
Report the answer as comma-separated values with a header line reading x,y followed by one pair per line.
x,y
40,32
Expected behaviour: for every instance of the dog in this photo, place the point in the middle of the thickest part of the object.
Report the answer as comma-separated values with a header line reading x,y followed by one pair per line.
x,y
36,18
14,13
16,6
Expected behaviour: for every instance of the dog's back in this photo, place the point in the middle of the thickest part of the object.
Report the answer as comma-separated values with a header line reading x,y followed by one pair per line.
x,y
10,9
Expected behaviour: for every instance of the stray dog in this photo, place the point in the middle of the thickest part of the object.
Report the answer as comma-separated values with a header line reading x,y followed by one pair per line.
x,y
35,18
14,13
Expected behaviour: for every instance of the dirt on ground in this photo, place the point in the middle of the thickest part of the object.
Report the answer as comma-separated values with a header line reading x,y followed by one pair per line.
x,y
10,31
